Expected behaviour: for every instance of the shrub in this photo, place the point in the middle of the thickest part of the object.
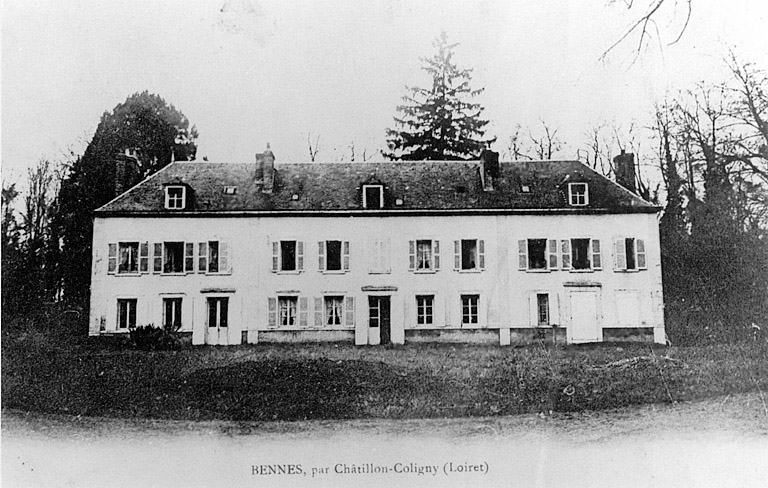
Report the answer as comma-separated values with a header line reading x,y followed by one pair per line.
x,y
151,338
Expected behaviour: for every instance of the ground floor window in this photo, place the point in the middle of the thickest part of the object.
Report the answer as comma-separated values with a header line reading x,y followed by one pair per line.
x,y
218,312
287,310
334,307
542,307
424,309
469,309
126,313
172,313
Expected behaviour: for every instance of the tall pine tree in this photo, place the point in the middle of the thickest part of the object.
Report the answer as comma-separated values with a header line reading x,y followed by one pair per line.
x,y
440,122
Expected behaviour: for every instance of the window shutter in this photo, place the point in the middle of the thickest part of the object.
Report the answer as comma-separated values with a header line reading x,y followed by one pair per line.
x,y
189,257
112,258
640,249
619,255
275,256
321,255
144,257
411,255
565,251
300,256
318,312
456,255
533,309
350,311
481,253
436,253
303,312
272,312
345,254
597,261
522,254
202,257
552,254
158,258
225,263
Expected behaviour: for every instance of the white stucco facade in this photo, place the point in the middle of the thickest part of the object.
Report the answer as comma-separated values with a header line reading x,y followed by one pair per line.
x,y
506,295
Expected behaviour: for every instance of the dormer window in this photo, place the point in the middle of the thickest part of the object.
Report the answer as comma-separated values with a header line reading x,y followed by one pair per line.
x,y
578,194
373,196
175,197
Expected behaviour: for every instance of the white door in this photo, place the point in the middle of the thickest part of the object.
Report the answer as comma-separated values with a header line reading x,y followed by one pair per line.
x,y
585,324
217,330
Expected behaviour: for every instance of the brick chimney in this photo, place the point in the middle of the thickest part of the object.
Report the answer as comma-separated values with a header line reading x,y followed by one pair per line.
x,y
489,168
126,170
625,170
266,162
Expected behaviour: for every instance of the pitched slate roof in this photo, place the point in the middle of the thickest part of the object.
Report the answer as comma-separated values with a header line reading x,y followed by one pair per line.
x,y
429,186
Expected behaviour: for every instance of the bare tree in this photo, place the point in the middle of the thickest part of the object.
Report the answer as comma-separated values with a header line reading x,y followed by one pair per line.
x,y
644,24
43,181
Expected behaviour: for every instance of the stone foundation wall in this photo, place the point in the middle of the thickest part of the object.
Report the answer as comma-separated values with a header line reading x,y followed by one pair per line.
x,y
628,334
463,336
281,336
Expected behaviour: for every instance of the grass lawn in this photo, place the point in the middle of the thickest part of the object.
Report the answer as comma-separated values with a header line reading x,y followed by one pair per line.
x,y
57,373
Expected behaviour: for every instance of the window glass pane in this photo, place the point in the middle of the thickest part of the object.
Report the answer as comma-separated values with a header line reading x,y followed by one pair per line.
x,y
288,255
468,254
580,254
373,196
333,255
537,249
542,300
333,308
129,257
287,309
630,248
469,309
424,254
213,256
173,257
424,304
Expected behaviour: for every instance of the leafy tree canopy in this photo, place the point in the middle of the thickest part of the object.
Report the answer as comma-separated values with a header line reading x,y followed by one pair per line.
x,y
440,122
144,123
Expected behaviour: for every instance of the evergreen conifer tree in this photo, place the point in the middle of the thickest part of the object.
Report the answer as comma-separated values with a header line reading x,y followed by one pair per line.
x,y
441,122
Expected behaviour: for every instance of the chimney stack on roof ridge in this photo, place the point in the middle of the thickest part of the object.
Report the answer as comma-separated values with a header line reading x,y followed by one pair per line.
x,y
266,162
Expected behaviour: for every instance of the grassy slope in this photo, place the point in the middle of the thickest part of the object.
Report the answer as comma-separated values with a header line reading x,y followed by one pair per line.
x,y
59,374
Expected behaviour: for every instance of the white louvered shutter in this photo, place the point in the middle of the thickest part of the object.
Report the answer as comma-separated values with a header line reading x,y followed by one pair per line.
x,y
144,257
321,256
112,258
303,311
481,253
456,255
597,259
522,254
157,266
640,249
300,256
202,257
349,311
225,257
319,312
189,257
565,253
275,256
552,244
272,311
345,255
411,255
619,255
436,254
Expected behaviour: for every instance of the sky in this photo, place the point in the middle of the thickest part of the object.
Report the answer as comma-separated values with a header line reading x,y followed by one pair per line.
x,y
251,72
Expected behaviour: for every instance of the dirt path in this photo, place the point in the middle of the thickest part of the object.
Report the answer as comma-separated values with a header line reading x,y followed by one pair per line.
x,y
718,442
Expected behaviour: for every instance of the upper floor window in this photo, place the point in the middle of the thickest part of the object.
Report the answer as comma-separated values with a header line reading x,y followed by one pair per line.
x,y
578,194
581,254
173,257
424,255
129,257
373,196
287,256
629,254
213,257
469,254
333,255
537,254
175,197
